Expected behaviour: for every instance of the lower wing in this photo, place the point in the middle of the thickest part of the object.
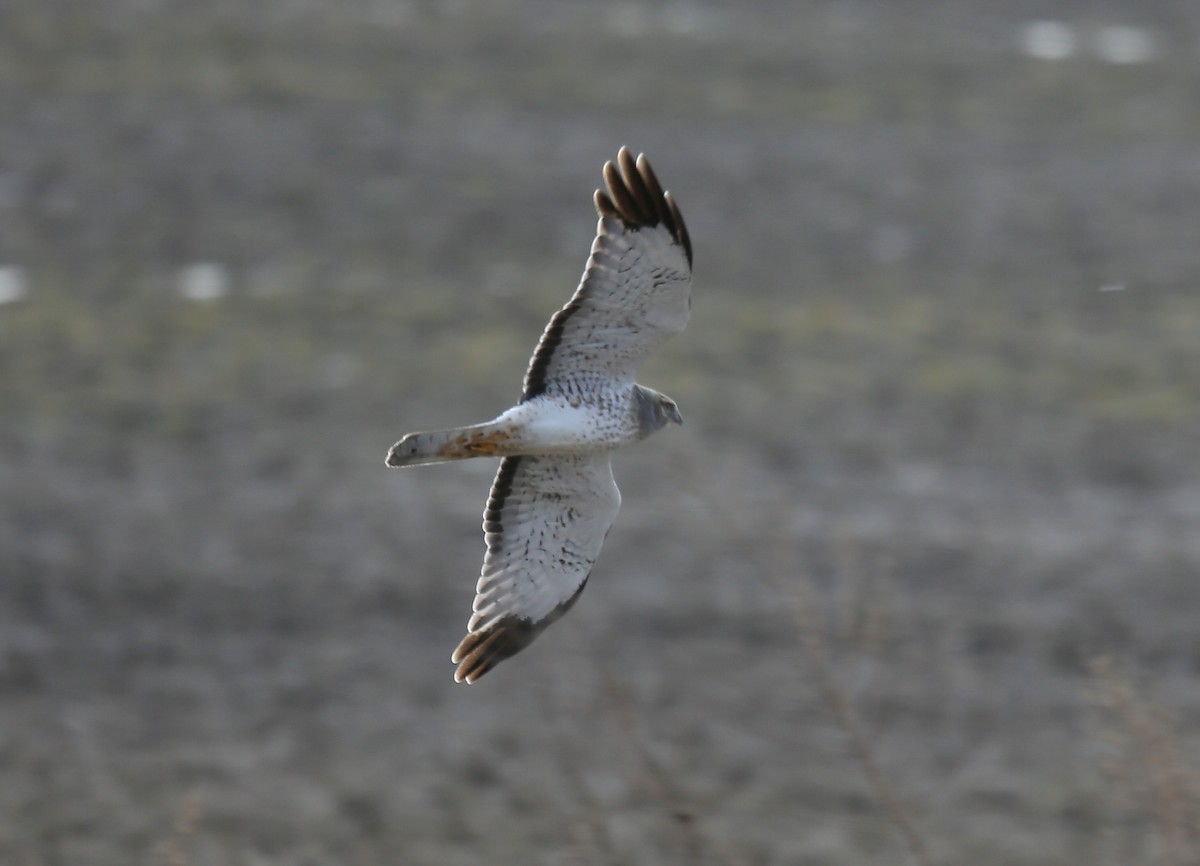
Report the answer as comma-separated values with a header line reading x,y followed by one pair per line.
x,y
545,522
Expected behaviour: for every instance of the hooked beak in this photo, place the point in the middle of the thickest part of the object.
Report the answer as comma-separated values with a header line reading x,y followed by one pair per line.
x,y
673,414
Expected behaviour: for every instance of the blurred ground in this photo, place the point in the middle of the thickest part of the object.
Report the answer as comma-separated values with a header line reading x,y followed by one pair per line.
x,y
942,391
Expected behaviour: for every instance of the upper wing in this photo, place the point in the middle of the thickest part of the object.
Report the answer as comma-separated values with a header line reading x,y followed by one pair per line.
x,y
635,291
545,522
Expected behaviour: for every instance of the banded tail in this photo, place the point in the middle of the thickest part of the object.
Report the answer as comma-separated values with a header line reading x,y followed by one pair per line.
x,y
440,446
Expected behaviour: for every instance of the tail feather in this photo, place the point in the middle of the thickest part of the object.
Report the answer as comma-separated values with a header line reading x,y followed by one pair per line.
x,y
440,446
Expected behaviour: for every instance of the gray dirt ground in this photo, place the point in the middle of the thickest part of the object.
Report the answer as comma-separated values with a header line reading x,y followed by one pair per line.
x,y
942,391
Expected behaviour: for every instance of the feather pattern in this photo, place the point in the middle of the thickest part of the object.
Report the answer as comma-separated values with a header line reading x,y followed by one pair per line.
x,y
635,292
545,522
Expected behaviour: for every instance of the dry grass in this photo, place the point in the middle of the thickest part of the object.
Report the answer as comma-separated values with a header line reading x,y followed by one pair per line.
x,y
929,470
1155,778
172,851
778,564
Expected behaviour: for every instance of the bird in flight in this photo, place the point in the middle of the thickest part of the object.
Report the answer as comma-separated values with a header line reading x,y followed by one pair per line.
x,y
554,499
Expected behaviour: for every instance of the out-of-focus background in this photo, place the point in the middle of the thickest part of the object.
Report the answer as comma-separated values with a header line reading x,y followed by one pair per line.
x,y
917,581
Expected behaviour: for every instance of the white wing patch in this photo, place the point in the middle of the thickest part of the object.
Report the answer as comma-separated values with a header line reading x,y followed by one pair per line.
x,y
545,522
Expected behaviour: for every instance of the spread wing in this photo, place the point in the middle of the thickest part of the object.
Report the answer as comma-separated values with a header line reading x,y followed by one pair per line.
x,y
545,521
636,288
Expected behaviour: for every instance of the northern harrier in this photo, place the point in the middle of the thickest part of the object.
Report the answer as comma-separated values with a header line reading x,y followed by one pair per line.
x,y
554,498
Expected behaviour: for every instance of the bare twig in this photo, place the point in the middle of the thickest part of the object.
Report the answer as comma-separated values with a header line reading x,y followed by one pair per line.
x,y
172,852
860,744
657,781
1156,770
587,821
778,568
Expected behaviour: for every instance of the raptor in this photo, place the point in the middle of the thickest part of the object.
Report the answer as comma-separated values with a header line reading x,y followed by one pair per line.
x,y
554,499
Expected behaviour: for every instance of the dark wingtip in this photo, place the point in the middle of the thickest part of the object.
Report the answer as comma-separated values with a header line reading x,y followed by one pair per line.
x,y
680,233
633,193
604,204
480,651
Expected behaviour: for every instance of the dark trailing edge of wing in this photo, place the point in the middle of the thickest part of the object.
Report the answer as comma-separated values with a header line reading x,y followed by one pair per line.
x,y
635,197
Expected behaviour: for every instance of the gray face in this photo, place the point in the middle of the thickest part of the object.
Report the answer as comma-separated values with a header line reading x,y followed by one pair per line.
x,y
654,410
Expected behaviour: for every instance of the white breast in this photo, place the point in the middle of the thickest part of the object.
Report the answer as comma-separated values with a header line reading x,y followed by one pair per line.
x,y
555,424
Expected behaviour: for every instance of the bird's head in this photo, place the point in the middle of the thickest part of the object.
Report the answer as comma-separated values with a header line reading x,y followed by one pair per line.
x,y
670,409
654,410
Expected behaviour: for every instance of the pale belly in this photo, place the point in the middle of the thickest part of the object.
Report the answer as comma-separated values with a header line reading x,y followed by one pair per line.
x,y
548,425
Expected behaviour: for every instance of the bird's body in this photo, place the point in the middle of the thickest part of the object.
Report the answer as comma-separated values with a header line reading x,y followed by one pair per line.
x,y
549,424
554,498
